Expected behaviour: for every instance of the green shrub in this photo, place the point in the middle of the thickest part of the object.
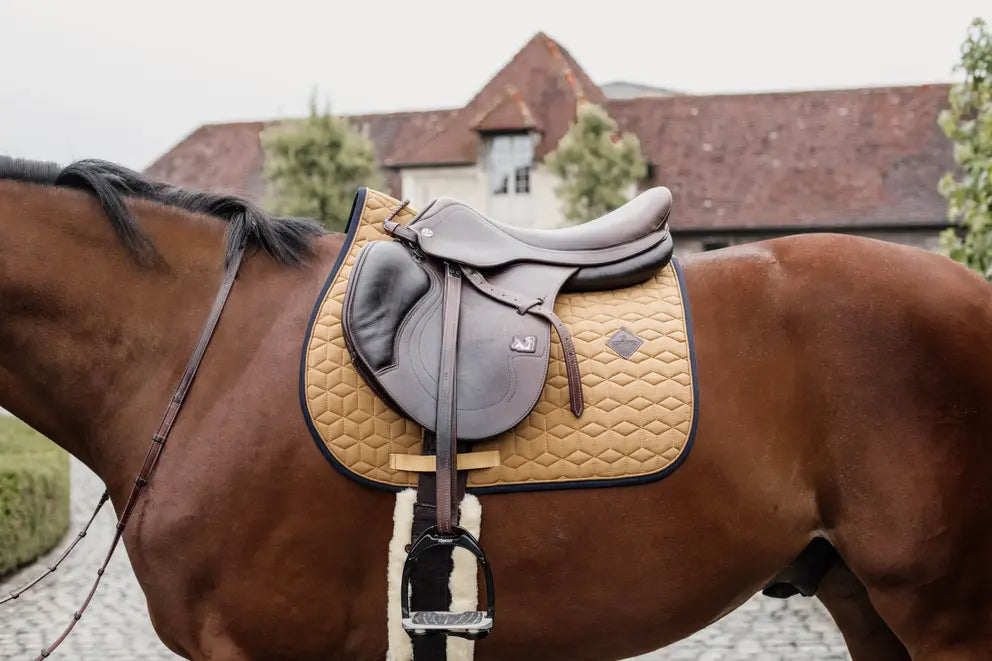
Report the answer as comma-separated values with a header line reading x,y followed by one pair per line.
x,y
34,494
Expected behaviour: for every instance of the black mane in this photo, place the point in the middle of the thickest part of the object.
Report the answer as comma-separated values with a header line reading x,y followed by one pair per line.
x,y
287,240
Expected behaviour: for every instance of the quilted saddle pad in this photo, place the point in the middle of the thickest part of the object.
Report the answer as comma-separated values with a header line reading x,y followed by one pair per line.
x,y
640,410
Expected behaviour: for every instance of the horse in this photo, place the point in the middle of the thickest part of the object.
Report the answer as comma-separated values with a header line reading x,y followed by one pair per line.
x,y
843,387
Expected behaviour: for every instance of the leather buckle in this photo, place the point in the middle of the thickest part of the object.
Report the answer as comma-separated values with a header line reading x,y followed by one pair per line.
x,y
401,232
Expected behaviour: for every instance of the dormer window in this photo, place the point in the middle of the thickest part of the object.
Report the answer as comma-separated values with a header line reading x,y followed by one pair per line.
x,y
510,158
508,161
523,179
521,182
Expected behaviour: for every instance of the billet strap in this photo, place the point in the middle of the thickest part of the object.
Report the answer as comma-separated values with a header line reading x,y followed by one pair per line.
x,y
424,463
160,437
445,422
525,305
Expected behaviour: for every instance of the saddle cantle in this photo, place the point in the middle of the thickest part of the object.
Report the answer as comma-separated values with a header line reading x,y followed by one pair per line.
x,y
451,326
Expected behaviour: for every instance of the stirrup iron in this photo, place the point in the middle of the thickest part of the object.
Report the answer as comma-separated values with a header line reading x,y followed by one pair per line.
x,y
473,625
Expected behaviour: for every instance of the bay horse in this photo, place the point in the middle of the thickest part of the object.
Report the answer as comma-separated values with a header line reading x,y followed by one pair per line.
x,y
844,388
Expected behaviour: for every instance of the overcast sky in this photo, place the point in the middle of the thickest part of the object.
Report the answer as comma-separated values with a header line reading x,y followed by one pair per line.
x,y
127,79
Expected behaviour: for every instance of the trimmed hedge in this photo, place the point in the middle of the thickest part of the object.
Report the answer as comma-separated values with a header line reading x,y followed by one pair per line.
x,y
34,494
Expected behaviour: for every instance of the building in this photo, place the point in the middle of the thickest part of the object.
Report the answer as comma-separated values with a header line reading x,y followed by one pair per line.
x,y
741,166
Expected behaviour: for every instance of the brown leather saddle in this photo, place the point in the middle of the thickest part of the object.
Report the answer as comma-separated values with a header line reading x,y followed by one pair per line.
x,y
451,326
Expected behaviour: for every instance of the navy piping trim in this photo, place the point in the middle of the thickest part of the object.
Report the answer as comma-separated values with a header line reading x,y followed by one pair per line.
x,y
640,479
357,207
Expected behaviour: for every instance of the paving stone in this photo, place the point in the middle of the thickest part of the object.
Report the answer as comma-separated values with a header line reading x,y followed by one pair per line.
x,y
116,626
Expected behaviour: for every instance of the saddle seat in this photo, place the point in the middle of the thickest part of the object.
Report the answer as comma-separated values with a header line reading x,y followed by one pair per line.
x,y
644,214
451,230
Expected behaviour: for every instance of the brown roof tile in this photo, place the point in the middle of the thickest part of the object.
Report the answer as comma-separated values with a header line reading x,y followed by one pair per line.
x,y
228,157
509,113
749,161
799,159
551,84
225,158
391,131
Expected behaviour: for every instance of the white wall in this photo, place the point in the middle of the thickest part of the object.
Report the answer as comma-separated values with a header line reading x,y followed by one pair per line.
x,y
470,184
547,209
465,183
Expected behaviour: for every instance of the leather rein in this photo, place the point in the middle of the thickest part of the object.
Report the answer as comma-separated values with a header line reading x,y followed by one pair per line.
x,y
159,439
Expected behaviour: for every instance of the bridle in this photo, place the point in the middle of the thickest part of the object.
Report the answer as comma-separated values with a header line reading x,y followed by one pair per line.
x,y
159,439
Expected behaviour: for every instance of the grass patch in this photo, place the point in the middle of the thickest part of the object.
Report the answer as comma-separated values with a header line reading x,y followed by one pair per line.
x,y
34,494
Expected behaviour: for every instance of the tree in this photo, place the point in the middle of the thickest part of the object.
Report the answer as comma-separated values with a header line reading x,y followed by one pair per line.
x,y
314,166
968,123
596,165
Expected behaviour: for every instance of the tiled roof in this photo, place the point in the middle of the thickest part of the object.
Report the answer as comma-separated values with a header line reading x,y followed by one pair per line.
x,y
815,159
393,131
798,159
228,157
546,80
509,113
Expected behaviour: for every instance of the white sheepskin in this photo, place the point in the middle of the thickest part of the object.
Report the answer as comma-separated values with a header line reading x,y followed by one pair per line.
x,y
400,647
463,582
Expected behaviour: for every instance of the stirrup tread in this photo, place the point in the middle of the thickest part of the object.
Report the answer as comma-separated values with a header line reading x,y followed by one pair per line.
x,y
470,623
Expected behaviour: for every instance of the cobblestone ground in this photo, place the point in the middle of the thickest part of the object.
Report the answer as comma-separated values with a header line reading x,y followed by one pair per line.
x,y
116,626
763,629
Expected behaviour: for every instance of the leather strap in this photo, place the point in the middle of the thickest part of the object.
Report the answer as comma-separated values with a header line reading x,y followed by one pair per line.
x,y
160,437
430,589
393,228
525,305
447,472
430,584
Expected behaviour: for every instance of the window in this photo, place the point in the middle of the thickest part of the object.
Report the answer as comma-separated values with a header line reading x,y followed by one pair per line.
x,y
523,179
508,160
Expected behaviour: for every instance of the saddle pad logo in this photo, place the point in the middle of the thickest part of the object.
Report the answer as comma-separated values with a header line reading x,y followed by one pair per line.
x,y
624,343
526,344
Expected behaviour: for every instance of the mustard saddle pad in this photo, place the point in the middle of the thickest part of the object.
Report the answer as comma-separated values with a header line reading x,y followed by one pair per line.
x,y
640,411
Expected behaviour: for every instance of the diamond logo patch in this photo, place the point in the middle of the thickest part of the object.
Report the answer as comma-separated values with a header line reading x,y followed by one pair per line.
x,y
624,343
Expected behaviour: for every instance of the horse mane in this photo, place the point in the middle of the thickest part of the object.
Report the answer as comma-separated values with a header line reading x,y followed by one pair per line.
x,y
287,240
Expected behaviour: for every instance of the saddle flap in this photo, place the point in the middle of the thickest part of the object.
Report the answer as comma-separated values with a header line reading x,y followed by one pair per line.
x,y
392,321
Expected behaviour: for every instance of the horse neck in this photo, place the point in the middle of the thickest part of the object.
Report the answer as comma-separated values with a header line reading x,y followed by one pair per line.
x,y
91,341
